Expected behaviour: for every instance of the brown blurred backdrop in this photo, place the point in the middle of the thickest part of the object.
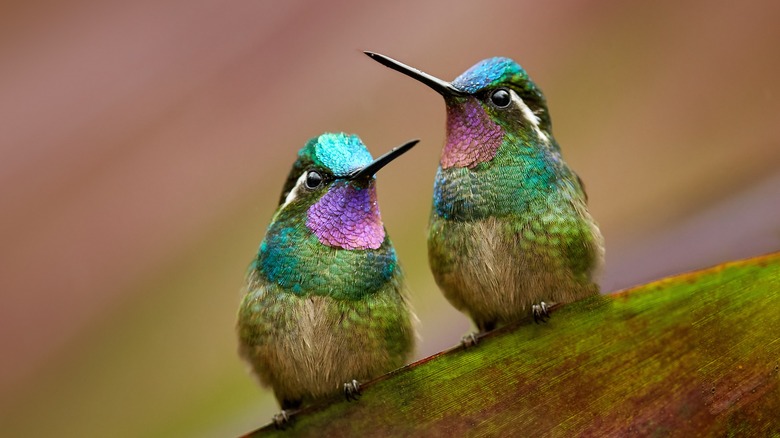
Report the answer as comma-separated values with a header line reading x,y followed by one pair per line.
x,y
144,144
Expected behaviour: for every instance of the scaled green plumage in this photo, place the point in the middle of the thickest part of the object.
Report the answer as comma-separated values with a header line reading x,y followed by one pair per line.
x,y
510,229
325,302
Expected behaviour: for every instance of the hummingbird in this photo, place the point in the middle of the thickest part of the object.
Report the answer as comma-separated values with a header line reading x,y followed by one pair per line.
x,y
325,306
509,233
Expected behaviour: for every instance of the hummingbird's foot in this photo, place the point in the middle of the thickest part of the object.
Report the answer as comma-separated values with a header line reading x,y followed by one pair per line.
x,y
483,327
352,390
540,312
281,420
469,340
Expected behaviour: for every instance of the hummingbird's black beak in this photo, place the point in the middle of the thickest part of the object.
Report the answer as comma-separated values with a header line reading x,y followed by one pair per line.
x,y
382,161
442,87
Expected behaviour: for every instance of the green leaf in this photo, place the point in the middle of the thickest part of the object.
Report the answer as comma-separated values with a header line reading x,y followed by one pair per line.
x,y
692,355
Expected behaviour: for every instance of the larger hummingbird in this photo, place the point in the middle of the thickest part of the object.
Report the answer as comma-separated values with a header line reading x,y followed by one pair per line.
x,y
325,305
510,232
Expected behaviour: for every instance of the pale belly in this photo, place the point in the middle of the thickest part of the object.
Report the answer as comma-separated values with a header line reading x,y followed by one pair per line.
x,y
495,270
308,347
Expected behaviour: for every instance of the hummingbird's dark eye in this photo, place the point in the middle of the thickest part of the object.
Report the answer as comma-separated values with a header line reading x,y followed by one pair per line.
x,y
501,98
313,180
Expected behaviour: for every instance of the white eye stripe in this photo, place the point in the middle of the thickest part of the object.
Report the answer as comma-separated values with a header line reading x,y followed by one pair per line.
x,y
529,116
527,113
294,191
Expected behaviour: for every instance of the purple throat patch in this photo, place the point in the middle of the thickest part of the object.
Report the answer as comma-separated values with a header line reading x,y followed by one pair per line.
x,y
347,217
472,138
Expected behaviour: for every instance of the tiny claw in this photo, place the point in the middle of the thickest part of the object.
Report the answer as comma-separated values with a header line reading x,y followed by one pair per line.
x,y
540,312
352,390
469,340
281,420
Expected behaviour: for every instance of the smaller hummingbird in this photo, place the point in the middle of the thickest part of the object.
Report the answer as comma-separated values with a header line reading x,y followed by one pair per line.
x,y
325,304
510,230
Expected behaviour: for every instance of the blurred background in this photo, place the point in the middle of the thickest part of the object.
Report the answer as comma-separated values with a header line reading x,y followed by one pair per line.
x,y
144,145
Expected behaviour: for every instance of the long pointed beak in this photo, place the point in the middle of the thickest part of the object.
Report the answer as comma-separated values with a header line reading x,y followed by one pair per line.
x,y
442,87
382,161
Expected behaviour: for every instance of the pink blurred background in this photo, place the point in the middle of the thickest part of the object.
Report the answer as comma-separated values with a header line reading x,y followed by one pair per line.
x,y
144,145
